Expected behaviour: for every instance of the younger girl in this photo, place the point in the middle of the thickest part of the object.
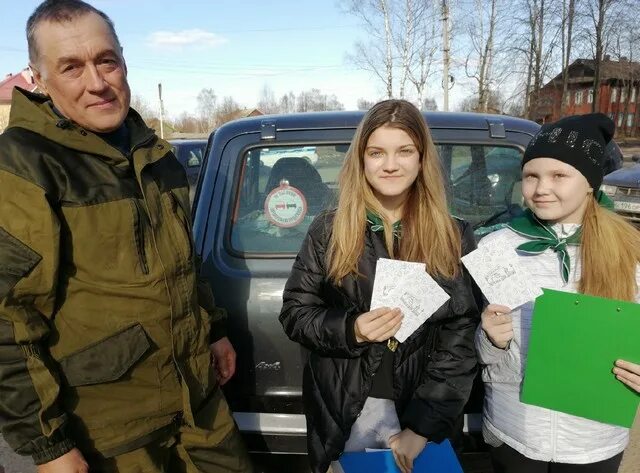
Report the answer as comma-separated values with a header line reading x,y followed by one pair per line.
x,y
361,388
593,251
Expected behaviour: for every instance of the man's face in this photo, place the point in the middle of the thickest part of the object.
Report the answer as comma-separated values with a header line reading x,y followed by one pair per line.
x,y
80,66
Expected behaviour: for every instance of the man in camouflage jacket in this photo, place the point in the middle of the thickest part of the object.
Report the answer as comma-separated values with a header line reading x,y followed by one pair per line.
x,y
106,334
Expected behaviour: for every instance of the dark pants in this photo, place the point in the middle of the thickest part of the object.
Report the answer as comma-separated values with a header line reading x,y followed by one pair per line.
x,y
507,460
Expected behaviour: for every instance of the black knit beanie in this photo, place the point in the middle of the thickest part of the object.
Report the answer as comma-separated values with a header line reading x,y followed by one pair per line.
x,y
579,140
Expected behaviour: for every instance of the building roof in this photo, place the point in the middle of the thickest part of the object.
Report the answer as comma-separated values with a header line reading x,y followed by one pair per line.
x,y
22,79
583,70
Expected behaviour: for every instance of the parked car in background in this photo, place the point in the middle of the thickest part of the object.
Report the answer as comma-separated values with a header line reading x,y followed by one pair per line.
x,y
623,186
190,153
269,156
615,159
263,181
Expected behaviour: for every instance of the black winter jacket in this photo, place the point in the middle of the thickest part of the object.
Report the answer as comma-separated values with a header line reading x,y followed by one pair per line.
x,y
433,369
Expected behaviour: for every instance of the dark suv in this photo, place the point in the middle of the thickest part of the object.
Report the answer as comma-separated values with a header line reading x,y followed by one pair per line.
x,y
190,153
251,215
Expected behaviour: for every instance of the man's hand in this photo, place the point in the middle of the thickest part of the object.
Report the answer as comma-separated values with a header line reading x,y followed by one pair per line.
x,y
496,323
377,325
628,373
70,462
406,446
224,359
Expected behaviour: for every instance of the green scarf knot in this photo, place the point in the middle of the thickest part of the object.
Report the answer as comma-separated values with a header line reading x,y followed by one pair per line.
x,y
543,236
377,224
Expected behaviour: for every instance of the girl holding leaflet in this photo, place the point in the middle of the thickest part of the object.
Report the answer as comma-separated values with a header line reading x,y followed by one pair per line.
x,y
361,388
592,251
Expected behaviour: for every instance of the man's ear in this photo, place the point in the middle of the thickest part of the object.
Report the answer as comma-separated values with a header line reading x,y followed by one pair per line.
x,y
124,62
37,77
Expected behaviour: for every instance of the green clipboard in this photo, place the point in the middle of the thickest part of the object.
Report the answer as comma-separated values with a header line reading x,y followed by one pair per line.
x,y
574,341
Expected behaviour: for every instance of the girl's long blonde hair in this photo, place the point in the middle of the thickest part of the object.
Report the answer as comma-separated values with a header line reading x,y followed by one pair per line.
x,y
610,253
429,234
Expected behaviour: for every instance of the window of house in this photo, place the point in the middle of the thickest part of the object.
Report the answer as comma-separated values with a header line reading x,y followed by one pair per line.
x,y
590,96
620,119
614,95
578,100
612,115
633,95
623,95
629,120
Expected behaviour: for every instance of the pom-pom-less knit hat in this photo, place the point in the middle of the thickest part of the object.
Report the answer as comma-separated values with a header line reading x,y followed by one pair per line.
x,y
579,140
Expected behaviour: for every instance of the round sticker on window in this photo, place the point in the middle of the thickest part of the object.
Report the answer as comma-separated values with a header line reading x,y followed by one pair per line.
x,y
285,206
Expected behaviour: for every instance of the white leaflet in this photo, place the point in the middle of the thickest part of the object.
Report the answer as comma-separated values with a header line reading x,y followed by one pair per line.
x,y
418,298
406,285
389,273
497,272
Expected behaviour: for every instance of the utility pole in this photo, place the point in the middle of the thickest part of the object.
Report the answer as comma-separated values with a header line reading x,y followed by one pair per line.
x,y
445,53
161,111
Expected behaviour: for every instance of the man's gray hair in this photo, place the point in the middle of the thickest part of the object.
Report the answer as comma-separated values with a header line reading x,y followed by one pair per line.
x,y
60,11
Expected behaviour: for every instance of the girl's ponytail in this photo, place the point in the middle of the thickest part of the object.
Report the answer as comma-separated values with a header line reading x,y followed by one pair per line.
x,y
610,253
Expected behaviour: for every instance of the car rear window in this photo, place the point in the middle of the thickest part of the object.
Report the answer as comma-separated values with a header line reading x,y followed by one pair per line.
x,y
282,189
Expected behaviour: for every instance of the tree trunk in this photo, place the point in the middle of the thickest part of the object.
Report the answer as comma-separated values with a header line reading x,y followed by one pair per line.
x,y
388,38
485,64
537,63
566,56
595,106
407,45
528,110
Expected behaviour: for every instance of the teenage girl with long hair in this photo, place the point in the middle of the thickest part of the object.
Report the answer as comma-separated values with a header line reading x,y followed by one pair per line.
x,y
361,388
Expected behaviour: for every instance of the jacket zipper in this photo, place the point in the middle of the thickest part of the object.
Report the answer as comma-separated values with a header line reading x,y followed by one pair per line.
x,y
138,225
148,140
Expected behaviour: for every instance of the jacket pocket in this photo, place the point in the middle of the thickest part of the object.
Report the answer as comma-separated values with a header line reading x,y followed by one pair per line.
x,y
16,261
138,234
185,221
106,360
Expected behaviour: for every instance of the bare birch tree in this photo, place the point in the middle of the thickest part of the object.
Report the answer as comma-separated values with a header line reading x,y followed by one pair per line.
x,y
405,41
425,46
479,61
403,45
379,51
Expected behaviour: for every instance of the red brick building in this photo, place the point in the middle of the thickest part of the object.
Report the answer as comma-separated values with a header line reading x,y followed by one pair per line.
x,y
619,94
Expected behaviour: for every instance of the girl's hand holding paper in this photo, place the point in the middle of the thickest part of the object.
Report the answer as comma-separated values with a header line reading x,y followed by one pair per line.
x,y
497,324
377,325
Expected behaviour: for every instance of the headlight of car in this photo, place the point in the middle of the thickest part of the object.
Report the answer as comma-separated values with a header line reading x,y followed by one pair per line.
x,y
609,190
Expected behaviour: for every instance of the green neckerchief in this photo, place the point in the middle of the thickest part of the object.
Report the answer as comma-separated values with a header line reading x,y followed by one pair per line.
x,y
543,236
377,225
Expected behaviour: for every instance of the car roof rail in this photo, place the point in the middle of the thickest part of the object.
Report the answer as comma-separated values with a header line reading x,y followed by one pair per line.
x,y
496,128
267,130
